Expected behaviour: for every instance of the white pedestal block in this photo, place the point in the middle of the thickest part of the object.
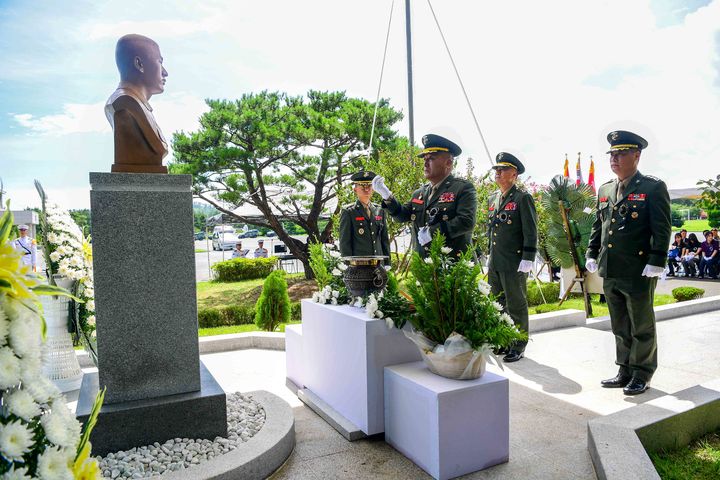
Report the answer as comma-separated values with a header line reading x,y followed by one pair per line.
x,y
447,427
344,354
294,355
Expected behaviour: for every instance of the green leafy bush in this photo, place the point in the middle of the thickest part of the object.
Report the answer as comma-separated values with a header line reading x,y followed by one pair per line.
x,y
273,306
236,315
682,294
450,298
295,312
238,269
551,290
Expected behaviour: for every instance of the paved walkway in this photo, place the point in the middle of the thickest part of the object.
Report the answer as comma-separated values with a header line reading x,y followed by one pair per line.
x,y
554,391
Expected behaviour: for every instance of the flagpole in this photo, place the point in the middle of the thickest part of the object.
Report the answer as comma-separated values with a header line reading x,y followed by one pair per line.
x,y
408,41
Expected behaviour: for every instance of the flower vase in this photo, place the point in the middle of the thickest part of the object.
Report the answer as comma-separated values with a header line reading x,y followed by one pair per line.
x,y
454,359
59,363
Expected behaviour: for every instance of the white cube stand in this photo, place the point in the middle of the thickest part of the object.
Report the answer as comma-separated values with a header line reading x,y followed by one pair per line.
x,y
294,355
343,356
447,427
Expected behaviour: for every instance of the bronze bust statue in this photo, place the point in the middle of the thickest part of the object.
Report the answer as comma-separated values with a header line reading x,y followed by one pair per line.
x,y
139,144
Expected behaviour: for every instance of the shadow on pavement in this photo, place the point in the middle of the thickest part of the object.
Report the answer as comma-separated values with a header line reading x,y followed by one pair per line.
x,y
548,377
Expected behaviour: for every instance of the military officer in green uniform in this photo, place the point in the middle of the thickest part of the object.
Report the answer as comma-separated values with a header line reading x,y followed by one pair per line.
x,y
628,245
363,229
446,203
512,228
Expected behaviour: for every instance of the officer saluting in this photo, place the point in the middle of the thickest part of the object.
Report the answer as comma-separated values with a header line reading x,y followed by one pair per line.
x,y
363,229
446,203
27,247
628,245
512,244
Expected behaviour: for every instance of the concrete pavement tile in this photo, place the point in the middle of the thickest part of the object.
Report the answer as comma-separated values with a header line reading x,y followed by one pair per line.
x,y
314,438
369,459
296,469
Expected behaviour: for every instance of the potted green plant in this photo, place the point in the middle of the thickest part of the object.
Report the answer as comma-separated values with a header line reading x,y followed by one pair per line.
x,y
457,323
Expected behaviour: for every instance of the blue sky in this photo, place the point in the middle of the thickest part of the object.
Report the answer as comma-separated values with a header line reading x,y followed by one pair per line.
x,y
544,78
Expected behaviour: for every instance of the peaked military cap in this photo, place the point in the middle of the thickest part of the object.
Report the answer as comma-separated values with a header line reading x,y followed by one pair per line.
x,y
623,140
23,227
436,143
504,159
363,176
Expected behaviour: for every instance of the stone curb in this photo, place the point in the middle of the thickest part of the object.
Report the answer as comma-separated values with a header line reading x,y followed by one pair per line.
x,y
540,322
667,312
260,456
619,443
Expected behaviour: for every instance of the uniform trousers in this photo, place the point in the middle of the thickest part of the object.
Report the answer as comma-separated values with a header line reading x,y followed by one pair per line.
x,y
510,290
632,318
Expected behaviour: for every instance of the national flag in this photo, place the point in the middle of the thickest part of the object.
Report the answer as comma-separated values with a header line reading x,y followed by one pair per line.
x,y
578,172
591,175
566,171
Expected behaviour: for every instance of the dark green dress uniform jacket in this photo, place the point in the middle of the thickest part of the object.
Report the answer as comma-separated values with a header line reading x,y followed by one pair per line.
x,y
512,229
362,236
455,201
633,232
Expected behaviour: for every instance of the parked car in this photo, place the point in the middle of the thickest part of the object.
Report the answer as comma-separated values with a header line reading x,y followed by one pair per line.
x,y
200,235
224,240
271,233
250,234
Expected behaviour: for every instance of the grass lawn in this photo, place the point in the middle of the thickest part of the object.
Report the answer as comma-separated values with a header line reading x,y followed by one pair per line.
x,y
699,461
220,294
208,332
200,250
695,226
601,309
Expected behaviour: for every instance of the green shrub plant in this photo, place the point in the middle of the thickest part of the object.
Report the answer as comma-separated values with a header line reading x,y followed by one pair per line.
x,y
273,306
238,269
683,294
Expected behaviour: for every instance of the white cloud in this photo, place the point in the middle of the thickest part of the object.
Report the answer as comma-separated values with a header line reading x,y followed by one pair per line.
x,y
75,118
153,28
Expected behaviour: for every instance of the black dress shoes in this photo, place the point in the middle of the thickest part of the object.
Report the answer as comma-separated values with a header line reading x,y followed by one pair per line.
x,y
513,356
618,381
635,387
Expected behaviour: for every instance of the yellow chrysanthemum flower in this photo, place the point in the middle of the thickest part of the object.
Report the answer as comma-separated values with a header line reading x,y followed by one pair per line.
x,y
86,468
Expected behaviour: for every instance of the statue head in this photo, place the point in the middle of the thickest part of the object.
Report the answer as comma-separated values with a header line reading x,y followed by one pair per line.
x,y
139,61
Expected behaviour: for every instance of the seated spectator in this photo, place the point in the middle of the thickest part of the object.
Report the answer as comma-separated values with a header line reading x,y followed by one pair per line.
x,y
675,254
239,252
691,256
709,251
261,252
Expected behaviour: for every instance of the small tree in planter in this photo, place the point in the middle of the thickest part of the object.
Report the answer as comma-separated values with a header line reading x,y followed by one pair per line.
x,y
273,306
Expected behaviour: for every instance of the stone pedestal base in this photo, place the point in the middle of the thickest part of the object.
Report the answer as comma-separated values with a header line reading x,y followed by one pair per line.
x,y
121,426
447,427
343,356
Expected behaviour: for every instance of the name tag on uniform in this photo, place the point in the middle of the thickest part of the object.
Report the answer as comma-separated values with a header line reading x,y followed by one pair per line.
x,y
417,200
447,197
378,217
637,197
511,206
603,199
360,218
491,208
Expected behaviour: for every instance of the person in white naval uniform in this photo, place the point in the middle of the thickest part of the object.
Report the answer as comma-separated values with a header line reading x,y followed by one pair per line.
x,y
26,246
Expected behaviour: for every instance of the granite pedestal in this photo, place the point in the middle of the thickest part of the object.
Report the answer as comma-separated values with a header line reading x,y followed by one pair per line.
x,y
447,427
343,356
145,304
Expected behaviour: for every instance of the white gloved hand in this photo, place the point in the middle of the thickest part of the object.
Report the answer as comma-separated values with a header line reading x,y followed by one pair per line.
x,y
591,265
678,258
387,267
653,271
378,184
423,236
706,258
525,266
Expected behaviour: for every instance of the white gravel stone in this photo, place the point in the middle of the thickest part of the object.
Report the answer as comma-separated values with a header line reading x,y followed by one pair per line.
x,y
245,417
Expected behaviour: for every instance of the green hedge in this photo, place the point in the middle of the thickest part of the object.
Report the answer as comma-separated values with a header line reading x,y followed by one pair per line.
x,y
551,290
547,307
238,269
236,315
682,294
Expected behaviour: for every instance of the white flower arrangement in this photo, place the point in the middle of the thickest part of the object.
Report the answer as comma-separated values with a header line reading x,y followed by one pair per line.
x,y
39,436
68,253
326,295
